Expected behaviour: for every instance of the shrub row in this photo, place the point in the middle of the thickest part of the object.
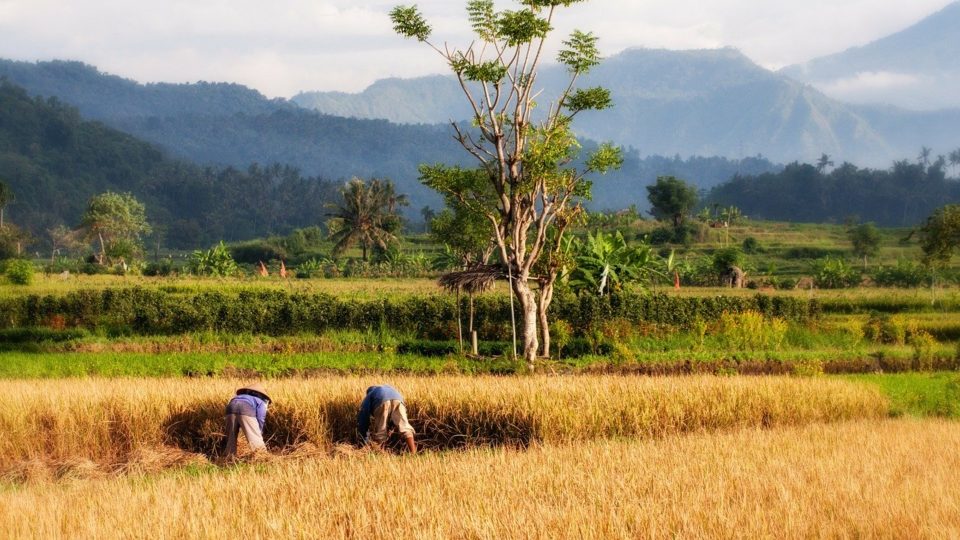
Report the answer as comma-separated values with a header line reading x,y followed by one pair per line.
x,y
142,311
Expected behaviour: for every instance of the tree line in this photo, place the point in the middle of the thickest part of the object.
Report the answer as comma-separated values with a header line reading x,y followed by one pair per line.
x,y
901,196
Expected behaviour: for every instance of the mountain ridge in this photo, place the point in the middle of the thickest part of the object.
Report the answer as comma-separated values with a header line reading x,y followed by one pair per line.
x,y
916,68
697,102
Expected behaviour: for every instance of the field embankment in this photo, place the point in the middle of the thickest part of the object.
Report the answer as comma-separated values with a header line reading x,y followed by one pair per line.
x,y
892,479
111,424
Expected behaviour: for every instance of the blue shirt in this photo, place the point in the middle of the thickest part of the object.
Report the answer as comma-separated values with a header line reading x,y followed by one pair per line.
x,y
376,395
247,405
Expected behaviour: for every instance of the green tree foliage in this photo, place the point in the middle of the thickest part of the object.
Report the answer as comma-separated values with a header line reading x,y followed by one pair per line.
x,y
20,272
671,199
605,263
216,262
467,234
367,216
865,239
725,259
940,235
117,222
901,196
12,241
835,273
527,184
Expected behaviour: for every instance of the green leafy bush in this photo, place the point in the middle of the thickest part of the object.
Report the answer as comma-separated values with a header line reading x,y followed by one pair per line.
x,y
752,246
20,272
254,251
906,274
811,253
162,268
309,268
833,273
724,259
216,262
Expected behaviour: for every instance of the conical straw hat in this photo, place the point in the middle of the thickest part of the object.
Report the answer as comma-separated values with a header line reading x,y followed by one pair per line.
x,y
258,388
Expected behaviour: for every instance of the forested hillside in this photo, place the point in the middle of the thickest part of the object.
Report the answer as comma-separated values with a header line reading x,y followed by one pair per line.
x,y
230,125
54,161
903,195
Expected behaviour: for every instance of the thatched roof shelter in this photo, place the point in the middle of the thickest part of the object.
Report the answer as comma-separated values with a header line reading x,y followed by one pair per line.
x,y
473,280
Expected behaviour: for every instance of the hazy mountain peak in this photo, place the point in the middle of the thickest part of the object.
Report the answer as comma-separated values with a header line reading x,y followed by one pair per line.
x,y
918,67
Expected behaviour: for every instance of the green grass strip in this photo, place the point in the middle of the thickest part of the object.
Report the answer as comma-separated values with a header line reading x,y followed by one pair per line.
x,y
918,394
65,365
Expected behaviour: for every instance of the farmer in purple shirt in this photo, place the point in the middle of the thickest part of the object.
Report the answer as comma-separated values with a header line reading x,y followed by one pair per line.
x,y
247,411
385,405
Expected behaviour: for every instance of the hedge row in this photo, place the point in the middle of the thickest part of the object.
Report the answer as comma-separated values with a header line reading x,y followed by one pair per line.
x,y
156,312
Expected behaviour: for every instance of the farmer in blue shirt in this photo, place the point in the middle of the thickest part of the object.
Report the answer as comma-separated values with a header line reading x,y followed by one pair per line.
x,y
247,411
385,405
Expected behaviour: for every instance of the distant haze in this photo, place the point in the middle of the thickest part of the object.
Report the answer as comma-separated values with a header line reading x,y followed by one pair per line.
x,y
285,46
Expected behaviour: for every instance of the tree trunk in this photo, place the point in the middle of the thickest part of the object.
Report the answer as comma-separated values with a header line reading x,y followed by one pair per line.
x,y
546,296
103,249
459,325
471,313
1,217
528,310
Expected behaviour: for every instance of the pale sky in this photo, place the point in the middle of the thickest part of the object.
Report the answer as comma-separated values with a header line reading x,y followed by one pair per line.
x,y
281,47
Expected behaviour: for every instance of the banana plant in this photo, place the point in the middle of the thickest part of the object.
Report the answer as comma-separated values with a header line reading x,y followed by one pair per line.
x,y
606,262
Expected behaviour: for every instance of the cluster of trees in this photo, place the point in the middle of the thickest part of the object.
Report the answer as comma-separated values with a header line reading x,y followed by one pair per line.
x,y
114,222
904,195
54,162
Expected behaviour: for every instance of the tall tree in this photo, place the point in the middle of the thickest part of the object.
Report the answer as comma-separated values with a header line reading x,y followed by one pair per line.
x,y
940,235
671,199
117,221
6,197
367,216
526,185
865,239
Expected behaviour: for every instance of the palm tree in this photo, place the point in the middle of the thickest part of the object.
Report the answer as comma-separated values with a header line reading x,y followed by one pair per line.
x,y
367,216
955,159
823,163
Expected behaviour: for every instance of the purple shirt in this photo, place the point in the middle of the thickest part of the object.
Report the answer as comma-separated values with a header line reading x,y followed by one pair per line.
x,y
246,405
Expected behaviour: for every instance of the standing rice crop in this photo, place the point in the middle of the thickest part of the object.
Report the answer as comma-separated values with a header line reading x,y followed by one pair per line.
x,y
111,421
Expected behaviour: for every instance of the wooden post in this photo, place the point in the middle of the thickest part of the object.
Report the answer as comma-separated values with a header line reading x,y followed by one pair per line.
x,y
473,343
459,325
513,316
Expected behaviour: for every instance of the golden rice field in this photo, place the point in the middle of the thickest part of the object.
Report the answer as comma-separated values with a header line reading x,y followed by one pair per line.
x,y
52,427
861,479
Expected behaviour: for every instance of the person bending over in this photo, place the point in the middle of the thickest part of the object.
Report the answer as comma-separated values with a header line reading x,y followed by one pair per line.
x,y
247,411
384,405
